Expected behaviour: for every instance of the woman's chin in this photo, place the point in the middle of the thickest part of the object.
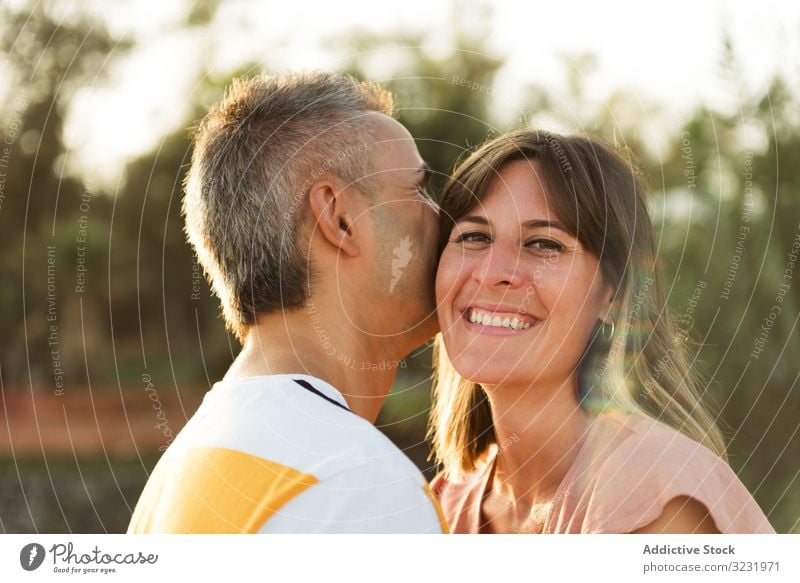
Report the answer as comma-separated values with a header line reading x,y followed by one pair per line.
x,y
478,370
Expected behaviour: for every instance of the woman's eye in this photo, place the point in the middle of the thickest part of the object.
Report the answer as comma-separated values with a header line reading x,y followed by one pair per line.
x,y
545,245
474,237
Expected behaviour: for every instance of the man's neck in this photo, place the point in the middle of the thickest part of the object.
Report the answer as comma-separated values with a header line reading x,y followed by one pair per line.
x,y
305,341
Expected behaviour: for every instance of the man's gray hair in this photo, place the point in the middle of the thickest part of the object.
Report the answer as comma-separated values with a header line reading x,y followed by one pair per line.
x,y
256,154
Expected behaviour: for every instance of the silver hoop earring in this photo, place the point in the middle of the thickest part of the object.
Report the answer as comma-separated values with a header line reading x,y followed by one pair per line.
x,y
610,335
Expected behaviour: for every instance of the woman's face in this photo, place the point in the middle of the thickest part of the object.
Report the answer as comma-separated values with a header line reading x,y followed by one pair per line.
x,y
517,295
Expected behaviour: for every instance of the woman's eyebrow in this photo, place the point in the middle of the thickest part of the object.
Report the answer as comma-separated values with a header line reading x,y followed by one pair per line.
x,y
532,224
477,219
537,223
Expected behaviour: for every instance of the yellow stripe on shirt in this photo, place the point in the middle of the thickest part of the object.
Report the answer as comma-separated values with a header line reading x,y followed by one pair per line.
x,y
215,490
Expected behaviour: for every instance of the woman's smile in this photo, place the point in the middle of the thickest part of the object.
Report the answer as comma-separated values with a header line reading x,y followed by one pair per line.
x,y
498,321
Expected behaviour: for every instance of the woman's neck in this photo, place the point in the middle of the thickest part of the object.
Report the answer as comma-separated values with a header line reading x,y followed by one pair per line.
x,y
539,431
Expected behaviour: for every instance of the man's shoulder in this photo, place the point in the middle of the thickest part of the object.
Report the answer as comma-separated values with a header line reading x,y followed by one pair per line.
x,y
275,418
265,444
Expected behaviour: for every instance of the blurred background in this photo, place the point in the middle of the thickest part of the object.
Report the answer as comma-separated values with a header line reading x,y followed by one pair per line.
x,y
109,337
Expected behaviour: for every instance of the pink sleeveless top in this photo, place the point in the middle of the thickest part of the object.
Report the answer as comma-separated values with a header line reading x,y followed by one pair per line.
x,y
626,471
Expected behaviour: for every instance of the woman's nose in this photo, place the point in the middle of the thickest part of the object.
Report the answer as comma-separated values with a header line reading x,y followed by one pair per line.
x,y
500,267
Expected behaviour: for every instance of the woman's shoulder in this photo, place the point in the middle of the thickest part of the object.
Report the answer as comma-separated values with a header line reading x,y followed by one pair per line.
x,y
641,440
459,496
648,460
650,464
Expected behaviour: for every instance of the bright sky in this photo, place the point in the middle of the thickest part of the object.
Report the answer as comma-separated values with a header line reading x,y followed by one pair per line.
x,y
668,53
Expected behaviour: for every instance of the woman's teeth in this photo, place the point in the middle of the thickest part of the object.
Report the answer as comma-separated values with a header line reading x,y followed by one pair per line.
x,y
498,320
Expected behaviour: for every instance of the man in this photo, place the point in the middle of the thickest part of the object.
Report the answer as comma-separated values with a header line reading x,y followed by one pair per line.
x,y
306,205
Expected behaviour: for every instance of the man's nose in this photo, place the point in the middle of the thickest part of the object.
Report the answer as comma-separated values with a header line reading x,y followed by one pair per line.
x,y
430,217
432,205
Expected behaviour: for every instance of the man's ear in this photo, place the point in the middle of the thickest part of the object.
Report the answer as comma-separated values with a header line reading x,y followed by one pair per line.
x,y
333,208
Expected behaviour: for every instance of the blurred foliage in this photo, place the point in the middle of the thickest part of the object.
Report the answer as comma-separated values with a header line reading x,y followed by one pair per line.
x,y
144,309
57,495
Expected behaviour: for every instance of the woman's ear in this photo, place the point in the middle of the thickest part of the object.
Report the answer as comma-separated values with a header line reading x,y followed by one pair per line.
x,y
333,207
609,310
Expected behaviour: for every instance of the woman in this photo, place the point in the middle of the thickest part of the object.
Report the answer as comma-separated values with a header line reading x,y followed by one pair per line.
x,y
564,398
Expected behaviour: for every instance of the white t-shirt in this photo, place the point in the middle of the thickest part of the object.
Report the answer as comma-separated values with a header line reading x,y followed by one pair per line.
x,y
270,455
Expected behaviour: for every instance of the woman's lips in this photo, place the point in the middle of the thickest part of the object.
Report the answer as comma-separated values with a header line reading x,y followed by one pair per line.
x,y
497,322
